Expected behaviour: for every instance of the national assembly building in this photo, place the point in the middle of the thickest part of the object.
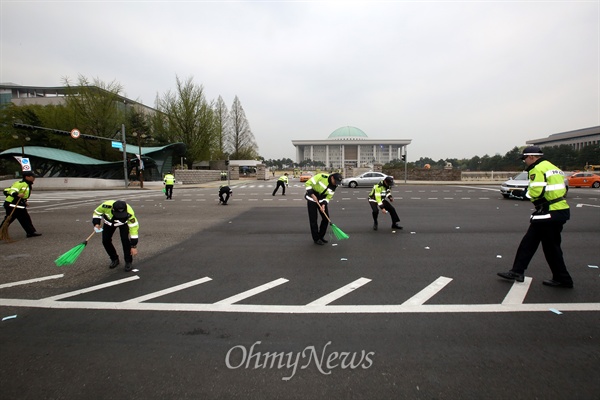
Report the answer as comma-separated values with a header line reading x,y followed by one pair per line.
x,y
350,147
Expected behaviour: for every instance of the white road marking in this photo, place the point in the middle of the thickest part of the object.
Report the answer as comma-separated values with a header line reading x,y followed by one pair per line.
x,y
45,278
517,292
90,289
168,290
252,292
336,294
427,293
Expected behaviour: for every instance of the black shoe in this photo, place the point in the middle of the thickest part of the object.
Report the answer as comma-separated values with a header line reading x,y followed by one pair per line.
x,y
224,204
396,226
553,283
34,234
513,276
114,263
128,267
320,242
375,226
324,240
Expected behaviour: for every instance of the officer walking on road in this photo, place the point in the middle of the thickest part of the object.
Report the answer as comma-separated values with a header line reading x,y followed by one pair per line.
x,y
381,198
283,182
117,215
16,204
169,181
319,191
547,192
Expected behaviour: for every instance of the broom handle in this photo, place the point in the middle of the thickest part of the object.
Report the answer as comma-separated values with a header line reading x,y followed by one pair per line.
x,y
327,216
89,237
7,220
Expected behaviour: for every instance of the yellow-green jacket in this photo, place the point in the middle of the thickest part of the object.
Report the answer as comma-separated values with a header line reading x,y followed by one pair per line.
x,y
379,193
284,179
17,188
546,191
105,212
319,186
169,179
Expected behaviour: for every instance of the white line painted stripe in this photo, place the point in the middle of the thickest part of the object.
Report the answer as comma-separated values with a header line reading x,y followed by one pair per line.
x,y
91,289
168,290
587,205
427,293
252,292
336,294
301,309
45,278
517,292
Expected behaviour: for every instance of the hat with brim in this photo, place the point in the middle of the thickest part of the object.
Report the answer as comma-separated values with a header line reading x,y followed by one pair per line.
x,y
28,173
120,210
531,151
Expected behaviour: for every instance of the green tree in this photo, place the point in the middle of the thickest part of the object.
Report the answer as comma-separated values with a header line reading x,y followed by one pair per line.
x,y
186,116
242,142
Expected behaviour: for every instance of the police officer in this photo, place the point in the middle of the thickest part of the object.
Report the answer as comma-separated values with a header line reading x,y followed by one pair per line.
x,y
16,204
169,181
226,191
117,215
283,182
319,191
381,198
547,192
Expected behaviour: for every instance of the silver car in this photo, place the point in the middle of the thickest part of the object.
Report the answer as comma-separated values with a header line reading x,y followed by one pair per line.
x,y
366,179
516,187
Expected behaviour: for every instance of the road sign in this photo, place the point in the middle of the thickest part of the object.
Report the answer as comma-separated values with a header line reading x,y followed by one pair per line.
x,y
75,133
117,145
25,164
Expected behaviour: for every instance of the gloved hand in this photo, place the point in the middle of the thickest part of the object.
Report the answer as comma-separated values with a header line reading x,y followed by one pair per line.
x,y
98,230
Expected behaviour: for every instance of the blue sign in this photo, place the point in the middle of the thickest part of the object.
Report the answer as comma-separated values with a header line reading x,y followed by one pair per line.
x,y
117,145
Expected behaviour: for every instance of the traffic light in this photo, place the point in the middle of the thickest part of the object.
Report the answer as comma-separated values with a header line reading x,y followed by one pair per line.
x,y
403,157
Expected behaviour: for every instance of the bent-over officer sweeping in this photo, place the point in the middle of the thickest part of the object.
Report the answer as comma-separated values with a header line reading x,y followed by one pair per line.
x,y
381,198
319,191
16,204
117,215
283,182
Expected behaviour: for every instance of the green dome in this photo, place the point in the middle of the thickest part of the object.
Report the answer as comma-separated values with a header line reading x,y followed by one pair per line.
x,y
347,132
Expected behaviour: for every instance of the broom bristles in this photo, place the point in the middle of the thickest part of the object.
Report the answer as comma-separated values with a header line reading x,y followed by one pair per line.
x,y
70,256
4,231
338,233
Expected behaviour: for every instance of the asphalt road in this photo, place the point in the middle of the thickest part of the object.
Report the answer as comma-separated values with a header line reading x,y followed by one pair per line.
x,y
237,302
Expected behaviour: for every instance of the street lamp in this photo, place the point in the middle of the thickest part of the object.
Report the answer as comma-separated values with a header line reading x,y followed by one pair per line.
x,y
140,168
27,138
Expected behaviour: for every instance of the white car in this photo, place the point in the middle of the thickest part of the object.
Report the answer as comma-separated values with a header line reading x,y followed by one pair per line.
x,y
367,179
516,187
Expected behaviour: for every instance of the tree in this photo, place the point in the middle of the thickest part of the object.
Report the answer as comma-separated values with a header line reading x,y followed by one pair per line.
x,y
185,116
242,142
223,130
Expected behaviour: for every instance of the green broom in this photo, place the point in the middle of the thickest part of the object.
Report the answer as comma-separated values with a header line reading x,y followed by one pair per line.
x,y
338,233
72,255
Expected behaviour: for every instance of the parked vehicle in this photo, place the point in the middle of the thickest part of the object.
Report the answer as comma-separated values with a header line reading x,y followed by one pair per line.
x,y
305,176
366,179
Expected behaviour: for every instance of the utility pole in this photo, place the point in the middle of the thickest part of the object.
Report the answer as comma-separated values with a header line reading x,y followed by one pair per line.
x,y
124,155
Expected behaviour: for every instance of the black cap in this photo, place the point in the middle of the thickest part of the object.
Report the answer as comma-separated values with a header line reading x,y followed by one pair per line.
x,y
120,210
531,151
389,181
337,178
28,173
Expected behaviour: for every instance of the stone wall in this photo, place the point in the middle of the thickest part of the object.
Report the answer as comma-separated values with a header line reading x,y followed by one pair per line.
x,y
422,174
194,176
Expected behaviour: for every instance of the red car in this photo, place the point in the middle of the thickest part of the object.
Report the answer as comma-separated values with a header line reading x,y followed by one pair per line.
x,y
584,179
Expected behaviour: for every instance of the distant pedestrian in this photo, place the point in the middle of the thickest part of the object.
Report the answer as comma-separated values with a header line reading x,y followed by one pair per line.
x,y
110,216
319,191
16,204
169,181
381,198
547,192
224,190
283,182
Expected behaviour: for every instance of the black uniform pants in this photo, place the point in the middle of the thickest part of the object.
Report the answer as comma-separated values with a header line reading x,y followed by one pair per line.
x,y
169,191
387,206
224,200
21,215
279,183
317,230
547,233
107,235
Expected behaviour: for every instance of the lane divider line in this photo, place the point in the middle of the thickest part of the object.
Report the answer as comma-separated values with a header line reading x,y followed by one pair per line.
x,y
336,294
431,290
252,292
90,289
168,290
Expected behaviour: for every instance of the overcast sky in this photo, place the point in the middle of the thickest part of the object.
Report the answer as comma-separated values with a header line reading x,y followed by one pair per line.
x,y
458,78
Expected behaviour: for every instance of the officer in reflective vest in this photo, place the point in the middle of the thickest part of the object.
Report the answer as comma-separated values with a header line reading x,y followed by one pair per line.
x,y
283,182
16,204
117,215
319,191
547,192
381,198
169,181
